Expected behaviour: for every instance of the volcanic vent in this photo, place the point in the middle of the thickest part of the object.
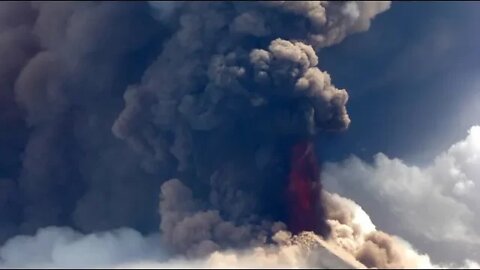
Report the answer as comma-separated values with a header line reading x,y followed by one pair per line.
x,y
304,189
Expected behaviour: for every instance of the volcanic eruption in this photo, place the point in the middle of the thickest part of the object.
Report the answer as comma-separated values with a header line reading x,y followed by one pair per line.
x,y
304,189
205,102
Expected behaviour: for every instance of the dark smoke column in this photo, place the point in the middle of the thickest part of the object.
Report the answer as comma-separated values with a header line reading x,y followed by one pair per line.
x,y
234,88
214,94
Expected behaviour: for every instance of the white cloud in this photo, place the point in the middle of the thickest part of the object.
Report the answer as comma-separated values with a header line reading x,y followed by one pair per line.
x,y
63,247
55,247
435,207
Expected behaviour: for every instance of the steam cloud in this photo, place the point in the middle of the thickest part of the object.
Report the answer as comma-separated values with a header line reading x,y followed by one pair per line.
x,y
434,207
354,237
354,232
104,105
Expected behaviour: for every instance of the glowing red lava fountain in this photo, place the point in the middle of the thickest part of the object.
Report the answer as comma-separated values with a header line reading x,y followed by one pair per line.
x,y
303,192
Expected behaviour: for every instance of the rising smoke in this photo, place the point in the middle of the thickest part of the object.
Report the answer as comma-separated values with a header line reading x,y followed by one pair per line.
x,y
354,237
104,105
246,88
434,206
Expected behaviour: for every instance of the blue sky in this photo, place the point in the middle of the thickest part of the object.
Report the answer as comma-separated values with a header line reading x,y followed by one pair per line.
x,y
412,80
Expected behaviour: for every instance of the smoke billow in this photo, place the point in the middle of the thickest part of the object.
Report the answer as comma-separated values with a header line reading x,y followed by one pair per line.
x,y
353,238
421,197
235,87
105,104
354,232
63,84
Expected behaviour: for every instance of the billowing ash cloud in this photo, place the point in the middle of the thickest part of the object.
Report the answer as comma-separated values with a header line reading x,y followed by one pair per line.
x,y
354,237
186,227
354,232
104,105
434,207
63,83
236,85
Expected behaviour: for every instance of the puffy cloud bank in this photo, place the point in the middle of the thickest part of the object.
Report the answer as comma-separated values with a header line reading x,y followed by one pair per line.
x,y
126,248
354,243
435,207
64,247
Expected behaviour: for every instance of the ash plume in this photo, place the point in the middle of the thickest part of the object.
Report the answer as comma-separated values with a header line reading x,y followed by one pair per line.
x,y
235,87
108,103
354,237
